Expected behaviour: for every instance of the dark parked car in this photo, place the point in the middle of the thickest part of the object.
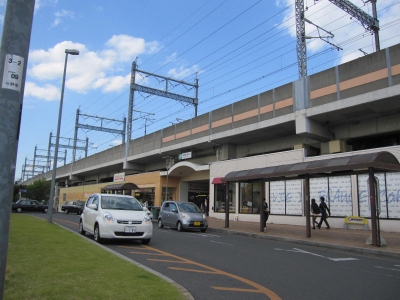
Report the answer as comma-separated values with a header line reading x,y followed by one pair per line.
x,y
73,207
182,215
29,205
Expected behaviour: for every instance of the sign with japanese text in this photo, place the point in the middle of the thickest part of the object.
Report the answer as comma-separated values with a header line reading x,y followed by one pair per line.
x,y
12,76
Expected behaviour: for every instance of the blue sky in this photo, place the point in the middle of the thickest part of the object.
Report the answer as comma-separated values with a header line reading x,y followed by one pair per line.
x,y
235,48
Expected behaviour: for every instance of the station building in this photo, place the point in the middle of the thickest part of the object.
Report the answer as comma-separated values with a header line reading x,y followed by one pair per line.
x,y
351,109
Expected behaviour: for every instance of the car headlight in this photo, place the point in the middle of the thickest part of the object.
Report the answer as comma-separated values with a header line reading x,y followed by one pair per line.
x,y
185,216
204,216
108,218
147,219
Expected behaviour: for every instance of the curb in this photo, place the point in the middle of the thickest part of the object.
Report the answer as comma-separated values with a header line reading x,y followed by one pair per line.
x,y
357,250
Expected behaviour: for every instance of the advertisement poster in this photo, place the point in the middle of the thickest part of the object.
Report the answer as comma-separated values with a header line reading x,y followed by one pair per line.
x,y
340,201
363,195
393,194
277,197
294,197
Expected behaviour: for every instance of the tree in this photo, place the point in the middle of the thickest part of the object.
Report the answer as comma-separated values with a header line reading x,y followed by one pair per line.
x,y
17,188
39,190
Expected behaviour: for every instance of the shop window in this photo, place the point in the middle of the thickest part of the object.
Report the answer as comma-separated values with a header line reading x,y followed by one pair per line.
x,y
220,196
250,197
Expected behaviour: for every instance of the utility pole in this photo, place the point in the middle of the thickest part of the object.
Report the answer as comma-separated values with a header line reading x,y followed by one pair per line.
x,y
14,50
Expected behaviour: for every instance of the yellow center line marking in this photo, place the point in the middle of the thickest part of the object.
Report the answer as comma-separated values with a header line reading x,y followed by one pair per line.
x,y
236,289
169,261
192,270
147,253
212,270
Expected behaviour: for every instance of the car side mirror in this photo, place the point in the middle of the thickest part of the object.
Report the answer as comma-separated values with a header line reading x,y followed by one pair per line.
x,y
174,210
93,206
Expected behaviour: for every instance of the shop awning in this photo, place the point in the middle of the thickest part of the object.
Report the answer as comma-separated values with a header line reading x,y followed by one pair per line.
x,y
217,180
379,162
120,186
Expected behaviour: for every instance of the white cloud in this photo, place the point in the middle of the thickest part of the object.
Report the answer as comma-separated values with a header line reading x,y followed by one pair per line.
x,y
129,47
60,15
47,92
89,70
331,18
116,142
116,83
183,72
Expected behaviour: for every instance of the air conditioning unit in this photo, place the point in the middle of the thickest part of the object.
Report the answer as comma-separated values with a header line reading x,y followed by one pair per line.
x,y
337,146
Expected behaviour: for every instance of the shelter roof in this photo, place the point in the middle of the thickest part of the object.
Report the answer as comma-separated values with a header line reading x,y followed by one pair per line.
x,y
121,186
355,164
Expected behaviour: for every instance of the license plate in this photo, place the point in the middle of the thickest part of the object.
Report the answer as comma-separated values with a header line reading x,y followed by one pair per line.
x,y
196,223
130,229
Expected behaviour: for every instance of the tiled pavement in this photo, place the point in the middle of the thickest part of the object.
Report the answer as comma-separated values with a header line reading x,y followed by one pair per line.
x,y
345,239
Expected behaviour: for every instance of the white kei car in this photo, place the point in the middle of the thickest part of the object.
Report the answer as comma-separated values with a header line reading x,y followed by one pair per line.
x,y
109,216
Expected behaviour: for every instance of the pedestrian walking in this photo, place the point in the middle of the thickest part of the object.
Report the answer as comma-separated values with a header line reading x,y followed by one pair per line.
x,y
206,206
324,208
315,211
266,213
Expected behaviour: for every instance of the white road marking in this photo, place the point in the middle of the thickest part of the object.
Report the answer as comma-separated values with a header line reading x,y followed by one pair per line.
x,y
310,253
221,243
379,267
205,234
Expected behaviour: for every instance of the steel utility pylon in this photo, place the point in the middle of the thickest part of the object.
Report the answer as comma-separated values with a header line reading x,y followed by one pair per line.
x,y
163,93
368,22
97,128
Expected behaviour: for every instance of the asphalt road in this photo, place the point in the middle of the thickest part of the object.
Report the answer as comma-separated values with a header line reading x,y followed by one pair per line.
x,y
224,266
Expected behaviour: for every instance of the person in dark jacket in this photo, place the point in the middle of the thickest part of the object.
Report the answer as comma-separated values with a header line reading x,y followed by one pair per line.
x,y
324,208
265,212
314,212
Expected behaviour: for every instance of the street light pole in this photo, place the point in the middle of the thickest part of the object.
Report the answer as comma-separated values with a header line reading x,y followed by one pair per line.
x,y
53,177
169,162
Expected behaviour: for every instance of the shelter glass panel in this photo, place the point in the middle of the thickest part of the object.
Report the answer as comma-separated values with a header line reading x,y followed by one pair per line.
x,y
294,197
393,194
250,197
340,201
363,195
220,195
277,197
318,188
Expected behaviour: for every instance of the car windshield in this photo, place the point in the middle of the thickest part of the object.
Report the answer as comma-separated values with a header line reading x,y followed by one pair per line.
x,y
120,203
189,207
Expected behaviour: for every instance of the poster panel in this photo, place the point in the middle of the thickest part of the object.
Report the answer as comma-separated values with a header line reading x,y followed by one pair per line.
x,y
363,195
340,200
294,197
277,197
318,188
393,194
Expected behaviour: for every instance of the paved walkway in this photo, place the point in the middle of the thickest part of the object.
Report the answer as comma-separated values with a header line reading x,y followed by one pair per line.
x,y
335,238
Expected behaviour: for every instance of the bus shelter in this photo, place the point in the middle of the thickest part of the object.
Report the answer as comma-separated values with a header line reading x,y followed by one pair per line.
x,y
369,163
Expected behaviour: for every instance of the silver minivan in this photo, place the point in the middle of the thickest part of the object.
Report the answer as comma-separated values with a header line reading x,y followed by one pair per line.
x,y
182,215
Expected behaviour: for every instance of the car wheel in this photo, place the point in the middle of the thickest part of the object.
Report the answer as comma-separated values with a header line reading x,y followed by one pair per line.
x,y
97,237
160,224
179,226
203,230
145,241
81,230
66,211
19,210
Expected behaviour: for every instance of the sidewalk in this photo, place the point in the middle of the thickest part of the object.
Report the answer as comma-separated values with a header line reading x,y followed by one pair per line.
x,y
344,239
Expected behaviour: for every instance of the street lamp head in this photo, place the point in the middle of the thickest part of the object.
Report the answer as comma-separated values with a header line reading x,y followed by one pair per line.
x,y
72,51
